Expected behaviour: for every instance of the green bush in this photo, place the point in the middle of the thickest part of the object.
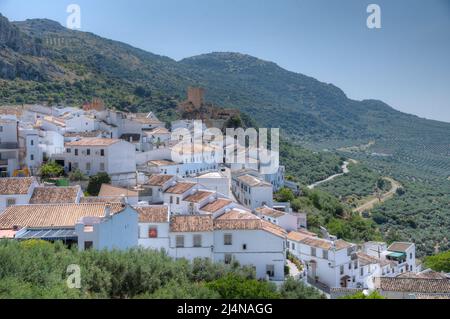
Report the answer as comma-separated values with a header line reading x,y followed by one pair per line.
x,y
294,289
95,183
51,170
439,262
38,269
233,286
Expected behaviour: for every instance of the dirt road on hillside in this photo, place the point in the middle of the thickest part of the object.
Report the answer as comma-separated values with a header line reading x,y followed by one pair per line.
x,y
374,201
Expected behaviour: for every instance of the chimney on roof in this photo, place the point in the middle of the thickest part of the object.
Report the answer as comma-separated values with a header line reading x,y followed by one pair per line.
x,y
108,210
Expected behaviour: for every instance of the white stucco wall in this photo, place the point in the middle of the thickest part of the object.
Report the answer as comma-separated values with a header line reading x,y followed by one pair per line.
x,y
262,249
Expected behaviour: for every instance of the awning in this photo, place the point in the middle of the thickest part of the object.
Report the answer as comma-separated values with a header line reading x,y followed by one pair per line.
x,y
48,234
396,255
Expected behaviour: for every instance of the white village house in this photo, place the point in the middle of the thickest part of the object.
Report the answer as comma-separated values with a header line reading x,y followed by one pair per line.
x,y
94,155
251,191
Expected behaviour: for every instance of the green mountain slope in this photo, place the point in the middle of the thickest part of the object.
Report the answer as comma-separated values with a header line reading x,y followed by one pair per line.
x,y
41,61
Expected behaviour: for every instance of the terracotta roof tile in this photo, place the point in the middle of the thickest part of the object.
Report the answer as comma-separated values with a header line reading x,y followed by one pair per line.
x,y
162,163
216,205
52,215
253,181
113,191
53,195
296,236
191,223
365,259
110,199
153,214
146,120
399,246
419,285
15,185
274,229
83,134
158,130
243,220
55,120
94,141
433,296
180,188
267,211
325,244
159,180
198,196
424,275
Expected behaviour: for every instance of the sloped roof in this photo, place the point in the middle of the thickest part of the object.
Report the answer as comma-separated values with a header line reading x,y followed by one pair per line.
x,y
253,181
267,211
153,214
53,195
419,285
107,190
191,223
324,243
216,205
53,215
156,131
159,180
297,236
243,220
198,196
180,188
15,185
94,141
162,163
108,199
365,259
399,246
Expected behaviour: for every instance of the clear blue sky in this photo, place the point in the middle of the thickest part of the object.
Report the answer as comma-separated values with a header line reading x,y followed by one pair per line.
x,y
406,63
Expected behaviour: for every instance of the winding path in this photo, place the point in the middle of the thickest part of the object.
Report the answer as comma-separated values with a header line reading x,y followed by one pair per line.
x,y
374,201
344,168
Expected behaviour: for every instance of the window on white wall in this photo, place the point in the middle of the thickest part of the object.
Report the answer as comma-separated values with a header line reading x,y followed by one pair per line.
x,y
270,270
197,240
228,258
227,239
10,202
180,241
